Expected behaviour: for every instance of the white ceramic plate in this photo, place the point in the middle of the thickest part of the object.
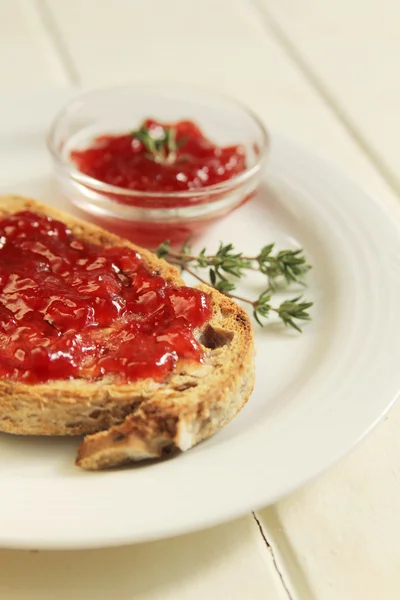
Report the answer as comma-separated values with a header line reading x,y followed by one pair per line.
x,y
316,395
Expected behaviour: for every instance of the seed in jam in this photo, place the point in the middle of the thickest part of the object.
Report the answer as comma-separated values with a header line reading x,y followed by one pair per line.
x,y
177,157
72,309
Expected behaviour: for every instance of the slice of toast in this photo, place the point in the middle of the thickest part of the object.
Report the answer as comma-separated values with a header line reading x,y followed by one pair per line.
x,y
145,419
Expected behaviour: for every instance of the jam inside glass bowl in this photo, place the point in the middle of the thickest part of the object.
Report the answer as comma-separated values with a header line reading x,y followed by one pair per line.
x,y
160,157
157,162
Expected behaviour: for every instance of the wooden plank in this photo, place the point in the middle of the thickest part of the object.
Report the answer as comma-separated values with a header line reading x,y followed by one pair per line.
x,y
26,55
226,562
121,40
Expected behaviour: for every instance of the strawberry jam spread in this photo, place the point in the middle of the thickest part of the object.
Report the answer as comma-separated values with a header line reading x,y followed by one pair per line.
x,y
160,157
71,309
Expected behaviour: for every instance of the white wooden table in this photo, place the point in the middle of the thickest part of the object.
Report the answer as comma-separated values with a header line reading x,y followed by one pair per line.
x,y
326,73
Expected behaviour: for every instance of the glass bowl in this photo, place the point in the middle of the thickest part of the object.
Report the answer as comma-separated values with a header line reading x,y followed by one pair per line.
x,y
149,218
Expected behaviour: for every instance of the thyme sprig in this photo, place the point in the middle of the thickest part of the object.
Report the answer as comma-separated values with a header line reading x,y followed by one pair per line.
x,y
227,266
160,142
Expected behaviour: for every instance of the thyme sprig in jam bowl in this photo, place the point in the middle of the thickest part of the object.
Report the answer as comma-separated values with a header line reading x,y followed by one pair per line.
x,y
157,162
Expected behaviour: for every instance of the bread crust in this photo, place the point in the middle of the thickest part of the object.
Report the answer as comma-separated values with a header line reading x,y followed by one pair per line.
x,y
144,419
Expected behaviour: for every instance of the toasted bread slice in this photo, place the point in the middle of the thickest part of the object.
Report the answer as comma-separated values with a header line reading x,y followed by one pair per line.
x,y
144,419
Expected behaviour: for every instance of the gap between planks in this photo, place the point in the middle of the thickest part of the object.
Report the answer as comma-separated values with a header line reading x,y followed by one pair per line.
x,y
288,569
273,557
56,40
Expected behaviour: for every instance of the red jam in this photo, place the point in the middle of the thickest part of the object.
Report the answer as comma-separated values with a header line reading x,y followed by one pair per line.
x,y
71,309
187,162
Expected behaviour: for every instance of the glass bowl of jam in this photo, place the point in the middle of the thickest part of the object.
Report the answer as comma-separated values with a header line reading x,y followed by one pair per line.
x,y
157,162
